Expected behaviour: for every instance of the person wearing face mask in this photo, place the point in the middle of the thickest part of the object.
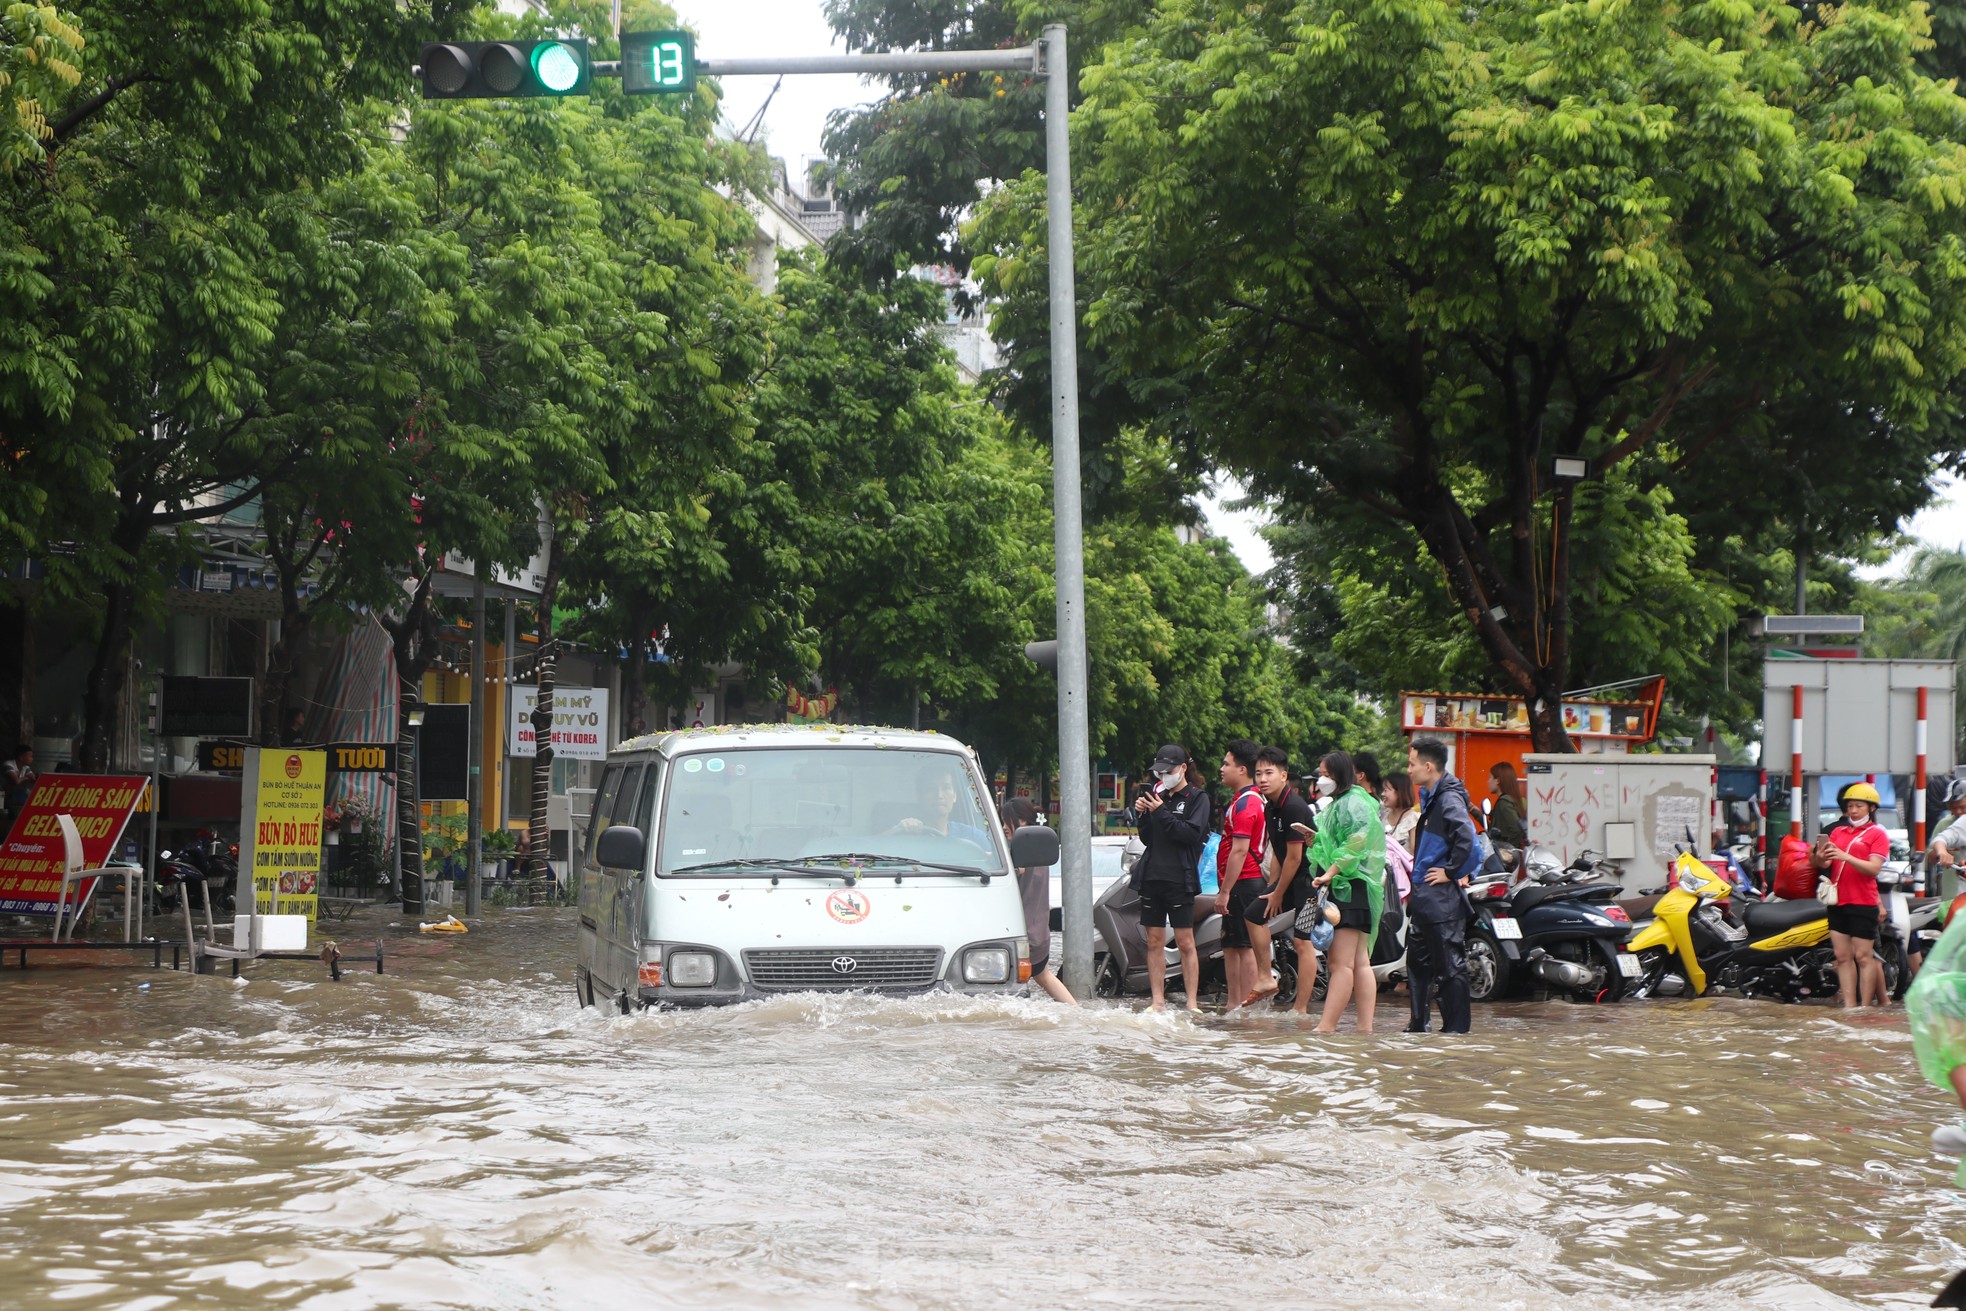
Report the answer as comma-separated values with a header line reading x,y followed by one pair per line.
x,y
1173,816
1350,852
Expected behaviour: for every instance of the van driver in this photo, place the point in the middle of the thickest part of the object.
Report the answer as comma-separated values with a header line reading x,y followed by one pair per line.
x,y
938,798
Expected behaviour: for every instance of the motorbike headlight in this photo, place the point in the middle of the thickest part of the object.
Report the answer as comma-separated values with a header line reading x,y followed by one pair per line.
x,y
692,969
1691,882
986,965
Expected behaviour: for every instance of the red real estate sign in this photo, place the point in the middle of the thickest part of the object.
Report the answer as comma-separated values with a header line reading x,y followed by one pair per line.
x,y
31,862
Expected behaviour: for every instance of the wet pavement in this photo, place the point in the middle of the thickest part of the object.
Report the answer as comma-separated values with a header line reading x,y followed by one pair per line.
x,y
456,1133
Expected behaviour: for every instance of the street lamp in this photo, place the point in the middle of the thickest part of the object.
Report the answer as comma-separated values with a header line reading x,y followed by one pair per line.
x,y
1570,468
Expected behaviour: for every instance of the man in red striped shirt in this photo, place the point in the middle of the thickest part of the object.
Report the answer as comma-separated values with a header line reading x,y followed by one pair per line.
x,y
1239,868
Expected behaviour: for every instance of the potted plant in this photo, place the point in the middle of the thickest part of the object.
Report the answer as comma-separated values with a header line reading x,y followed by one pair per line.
x,y
498,846
443,848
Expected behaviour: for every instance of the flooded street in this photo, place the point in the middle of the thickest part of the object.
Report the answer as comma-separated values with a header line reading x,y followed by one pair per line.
x,y
456,1133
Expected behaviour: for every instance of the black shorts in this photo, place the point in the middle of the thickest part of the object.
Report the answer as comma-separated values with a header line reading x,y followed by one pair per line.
x,y
1854,921
1354,911
1162,905
1244,906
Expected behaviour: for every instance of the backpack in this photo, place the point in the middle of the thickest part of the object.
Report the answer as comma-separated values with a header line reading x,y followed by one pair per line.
x,y
1210,882
1795,873
1399,871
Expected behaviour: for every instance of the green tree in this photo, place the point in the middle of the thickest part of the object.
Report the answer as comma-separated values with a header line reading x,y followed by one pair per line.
x,y
143,256
40,50
1482,237
1919,614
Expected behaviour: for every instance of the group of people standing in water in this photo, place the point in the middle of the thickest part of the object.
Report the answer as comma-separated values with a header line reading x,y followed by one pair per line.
x,y
1330,860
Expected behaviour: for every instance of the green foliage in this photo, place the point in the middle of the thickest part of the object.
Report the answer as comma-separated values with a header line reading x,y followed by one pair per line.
x,y
40,50
1479,237
1919,614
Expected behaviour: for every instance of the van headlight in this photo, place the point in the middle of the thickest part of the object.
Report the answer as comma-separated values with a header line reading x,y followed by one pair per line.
x,y
987,965
692,969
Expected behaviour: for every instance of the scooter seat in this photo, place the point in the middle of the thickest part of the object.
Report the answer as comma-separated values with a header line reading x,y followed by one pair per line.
x,y
1531,895
1767,918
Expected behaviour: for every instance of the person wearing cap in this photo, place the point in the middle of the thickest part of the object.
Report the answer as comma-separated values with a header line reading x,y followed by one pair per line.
x,y
1173,818
1851,854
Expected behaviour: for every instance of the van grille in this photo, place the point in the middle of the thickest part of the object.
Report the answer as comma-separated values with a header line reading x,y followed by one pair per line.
x,y
811,969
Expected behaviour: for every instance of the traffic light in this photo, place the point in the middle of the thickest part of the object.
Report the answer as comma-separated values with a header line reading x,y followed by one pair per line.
x,y
490,70
656,62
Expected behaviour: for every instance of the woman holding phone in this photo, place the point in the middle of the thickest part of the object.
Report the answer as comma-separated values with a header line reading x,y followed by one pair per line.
x,y
1851,854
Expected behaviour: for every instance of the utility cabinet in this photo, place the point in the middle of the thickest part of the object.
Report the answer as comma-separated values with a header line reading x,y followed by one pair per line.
x,y
1636,810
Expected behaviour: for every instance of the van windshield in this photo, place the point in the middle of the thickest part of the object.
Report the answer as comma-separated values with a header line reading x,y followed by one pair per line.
x,y
743,812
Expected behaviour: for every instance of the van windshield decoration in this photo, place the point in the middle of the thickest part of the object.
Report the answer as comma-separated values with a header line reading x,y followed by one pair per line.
x,y
828,811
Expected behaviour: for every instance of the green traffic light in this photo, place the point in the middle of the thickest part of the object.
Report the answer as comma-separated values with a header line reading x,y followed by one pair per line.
x,y
556,67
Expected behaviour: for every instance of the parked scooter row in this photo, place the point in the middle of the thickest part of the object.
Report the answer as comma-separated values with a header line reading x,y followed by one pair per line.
x,y
1701,940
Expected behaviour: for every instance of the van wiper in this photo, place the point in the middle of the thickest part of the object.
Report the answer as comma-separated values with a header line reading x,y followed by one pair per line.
x,y
755,862
920,866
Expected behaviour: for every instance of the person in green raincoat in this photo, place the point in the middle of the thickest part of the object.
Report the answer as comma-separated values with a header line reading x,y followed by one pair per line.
x,y
1349,853
1936,1007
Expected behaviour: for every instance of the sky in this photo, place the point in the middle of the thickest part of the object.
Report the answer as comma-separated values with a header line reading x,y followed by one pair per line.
x,y
796,118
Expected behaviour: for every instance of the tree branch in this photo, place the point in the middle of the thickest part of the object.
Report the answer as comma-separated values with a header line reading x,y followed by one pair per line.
x,y
68,124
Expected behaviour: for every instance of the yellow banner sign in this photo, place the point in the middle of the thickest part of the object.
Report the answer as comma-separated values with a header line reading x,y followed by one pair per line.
x,y
280,830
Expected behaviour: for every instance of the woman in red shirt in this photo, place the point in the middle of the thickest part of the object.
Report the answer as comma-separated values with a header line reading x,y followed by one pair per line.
x,y
1851,854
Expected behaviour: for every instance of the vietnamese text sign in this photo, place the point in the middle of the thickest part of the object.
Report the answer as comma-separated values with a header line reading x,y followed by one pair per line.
x,y
31,861
580,722
280,831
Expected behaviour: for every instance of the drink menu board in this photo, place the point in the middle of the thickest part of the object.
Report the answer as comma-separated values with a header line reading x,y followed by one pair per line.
x,y
1448,713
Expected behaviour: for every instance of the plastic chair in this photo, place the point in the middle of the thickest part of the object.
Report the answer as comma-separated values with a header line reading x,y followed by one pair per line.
x,y
72,871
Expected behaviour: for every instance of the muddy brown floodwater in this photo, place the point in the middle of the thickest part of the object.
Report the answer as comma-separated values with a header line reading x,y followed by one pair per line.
x,y
457,1133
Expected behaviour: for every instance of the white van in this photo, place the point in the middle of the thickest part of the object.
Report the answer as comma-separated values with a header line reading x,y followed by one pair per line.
x,y
728,864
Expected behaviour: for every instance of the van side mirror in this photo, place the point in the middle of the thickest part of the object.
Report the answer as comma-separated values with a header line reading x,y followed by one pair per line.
x,y
621,847
1034,845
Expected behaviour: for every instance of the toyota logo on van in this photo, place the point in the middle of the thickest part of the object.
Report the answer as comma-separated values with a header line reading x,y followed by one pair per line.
x,y
845,964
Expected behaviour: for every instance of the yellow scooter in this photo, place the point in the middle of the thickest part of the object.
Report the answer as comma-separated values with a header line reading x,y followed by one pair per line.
x,y
1695,943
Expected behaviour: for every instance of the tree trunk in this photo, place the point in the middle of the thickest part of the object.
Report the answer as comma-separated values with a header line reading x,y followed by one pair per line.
x,y
1504,615
634,679
410,640
541,867
294,622
105,680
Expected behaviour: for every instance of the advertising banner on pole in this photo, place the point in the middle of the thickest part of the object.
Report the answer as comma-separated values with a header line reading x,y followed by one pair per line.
x,y
580,722
280,832
31,861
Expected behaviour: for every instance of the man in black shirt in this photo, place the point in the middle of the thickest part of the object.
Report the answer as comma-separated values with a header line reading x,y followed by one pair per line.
x,y
1173,818
1290,884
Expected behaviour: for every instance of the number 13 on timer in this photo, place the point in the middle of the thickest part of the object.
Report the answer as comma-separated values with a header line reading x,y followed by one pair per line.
x,y
653,62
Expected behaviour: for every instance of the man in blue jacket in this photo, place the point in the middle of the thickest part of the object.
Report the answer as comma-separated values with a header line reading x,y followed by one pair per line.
x,y
1444,857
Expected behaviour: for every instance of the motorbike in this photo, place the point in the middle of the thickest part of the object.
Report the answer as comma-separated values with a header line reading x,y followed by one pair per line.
x,y
1558,924
1121,969
1697,943
206,863
1916,922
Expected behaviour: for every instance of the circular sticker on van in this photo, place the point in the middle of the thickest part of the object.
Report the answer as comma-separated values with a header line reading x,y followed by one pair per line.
x,y
692,766
716,766
848,906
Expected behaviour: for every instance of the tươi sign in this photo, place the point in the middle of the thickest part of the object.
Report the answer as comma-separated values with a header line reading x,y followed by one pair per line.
x,y
31,861
580,722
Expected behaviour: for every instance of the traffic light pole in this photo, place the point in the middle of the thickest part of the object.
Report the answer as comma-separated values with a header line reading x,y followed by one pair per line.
x,y
1047,60
480,70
